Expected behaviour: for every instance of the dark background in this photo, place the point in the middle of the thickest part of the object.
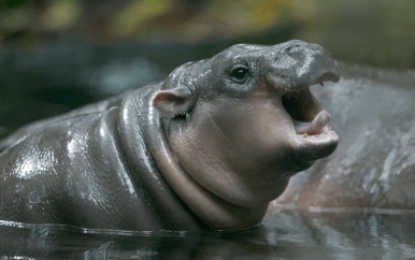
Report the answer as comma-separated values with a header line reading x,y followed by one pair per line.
x,y
56,55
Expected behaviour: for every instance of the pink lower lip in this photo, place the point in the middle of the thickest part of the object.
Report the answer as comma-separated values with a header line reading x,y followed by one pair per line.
x,y
315,147
318,139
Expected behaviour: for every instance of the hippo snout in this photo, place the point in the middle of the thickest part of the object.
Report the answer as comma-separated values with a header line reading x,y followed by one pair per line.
x,y
295,65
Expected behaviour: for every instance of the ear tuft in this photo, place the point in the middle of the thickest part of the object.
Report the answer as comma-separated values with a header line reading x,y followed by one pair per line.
x,y
172,102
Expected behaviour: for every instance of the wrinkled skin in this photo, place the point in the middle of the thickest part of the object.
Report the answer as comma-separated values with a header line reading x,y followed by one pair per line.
x,y
209,147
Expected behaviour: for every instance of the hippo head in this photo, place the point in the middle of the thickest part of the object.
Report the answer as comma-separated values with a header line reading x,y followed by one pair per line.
x,y
243,122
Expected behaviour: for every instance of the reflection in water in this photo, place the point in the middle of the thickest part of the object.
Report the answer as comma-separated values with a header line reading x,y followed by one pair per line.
x,y
283,235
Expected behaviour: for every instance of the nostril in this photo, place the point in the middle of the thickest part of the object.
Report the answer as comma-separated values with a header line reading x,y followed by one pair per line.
x,y
292,48
288,49
329,76
276,58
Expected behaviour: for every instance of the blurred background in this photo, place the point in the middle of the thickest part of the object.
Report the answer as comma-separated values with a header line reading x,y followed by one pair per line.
x,y
56,55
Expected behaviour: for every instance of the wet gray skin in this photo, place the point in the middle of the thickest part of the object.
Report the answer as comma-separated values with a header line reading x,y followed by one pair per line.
x,y
209,147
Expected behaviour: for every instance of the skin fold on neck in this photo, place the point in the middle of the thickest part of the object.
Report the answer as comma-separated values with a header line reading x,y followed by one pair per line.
x,y
214,211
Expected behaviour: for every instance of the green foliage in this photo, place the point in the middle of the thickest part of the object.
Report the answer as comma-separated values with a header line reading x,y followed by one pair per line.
x,y
12,3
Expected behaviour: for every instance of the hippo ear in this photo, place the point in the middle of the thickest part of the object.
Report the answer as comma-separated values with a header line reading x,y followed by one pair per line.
x,y
173,102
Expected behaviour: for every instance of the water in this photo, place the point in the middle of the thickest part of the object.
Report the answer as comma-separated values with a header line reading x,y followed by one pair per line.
x,y
282,235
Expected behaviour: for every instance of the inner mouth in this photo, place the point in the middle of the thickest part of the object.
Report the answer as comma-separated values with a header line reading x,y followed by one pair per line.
x,y
307,115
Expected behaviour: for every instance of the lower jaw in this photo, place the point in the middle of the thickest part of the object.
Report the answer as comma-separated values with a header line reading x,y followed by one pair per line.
x,y
312,148
301,165
314,139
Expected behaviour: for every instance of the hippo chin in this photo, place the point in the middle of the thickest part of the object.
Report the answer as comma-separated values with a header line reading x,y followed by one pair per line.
x,y
209,147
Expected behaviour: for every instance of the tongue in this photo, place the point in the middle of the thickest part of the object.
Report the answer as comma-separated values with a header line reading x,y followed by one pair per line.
x,y
315,127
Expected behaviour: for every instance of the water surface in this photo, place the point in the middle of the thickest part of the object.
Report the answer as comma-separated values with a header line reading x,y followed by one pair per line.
x,y
282,235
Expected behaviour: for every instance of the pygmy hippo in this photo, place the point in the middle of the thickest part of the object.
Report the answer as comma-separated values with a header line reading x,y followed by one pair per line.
x,y
209,147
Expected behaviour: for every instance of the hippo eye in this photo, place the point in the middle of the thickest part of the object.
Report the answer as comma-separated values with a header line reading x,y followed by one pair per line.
x,y
239,74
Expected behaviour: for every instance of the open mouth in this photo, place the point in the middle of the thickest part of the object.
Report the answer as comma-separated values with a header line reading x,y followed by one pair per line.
x,y
315,137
